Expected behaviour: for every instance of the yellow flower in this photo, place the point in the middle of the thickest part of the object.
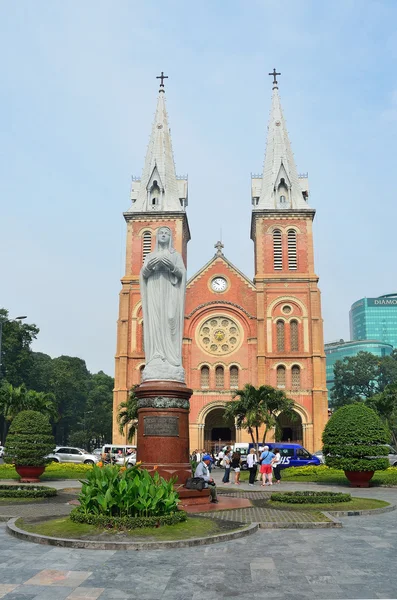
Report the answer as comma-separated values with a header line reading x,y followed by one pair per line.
x,y
123,468
155,467
138,463
99,464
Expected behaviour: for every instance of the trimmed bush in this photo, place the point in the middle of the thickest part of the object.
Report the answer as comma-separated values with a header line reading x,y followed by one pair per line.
x,y
126,522
354,439
29,440
26,491
310,497
119,492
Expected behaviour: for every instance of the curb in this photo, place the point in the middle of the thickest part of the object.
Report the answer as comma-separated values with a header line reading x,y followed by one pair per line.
x,y
12,529
357,513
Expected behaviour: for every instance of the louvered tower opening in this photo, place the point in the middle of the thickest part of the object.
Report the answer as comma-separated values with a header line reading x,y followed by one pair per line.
x,y
277,250
146,244
292,256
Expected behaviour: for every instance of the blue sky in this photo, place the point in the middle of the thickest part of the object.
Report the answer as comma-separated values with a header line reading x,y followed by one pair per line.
x,y
77,98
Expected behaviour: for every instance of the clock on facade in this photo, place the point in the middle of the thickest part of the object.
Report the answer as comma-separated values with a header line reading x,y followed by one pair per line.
x,y
219,284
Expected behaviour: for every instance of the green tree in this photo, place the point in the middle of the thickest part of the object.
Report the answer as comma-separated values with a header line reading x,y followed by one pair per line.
x,y
254,407
385,404
356,378
16,356
128,416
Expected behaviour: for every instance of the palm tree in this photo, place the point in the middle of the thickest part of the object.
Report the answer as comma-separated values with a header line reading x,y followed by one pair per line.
x,y
127,417
254,407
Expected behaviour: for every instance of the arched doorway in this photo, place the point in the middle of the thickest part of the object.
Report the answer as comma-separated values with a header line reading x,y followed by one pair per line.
x,y
218,432
289,429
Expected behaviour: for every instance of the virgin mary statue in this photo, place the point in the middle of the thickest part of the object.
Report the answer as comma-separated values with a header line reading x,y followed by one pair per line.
x,y
163,285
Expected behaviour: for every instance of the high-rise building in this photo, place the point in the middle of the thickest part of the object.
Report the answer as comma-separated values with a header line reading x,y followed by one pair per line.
x,y
339,350
268,330
375,319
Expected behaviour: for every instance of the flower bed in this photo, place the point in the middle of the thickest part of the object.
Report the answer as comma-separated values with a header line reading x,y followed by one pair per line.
x,y
310,497
126,522
26,491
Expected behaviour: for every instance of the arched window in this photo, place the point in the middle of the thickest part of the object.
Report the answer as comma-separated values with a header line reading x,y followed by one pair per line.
x,y
205,377
294,336
281,377
219,377
280,336
146,244
296,377
234,377
277,250
282,199
292,257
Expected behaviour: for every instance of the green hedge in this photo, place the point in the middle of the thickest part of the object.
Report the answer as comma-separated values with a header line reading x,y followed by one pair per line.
x,y
26,491
354,439
310,497
126,522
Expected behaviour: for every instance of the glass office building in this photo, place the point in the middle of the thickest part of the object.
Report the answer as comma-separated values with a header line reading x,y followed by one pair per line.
x,y
340,350
375,319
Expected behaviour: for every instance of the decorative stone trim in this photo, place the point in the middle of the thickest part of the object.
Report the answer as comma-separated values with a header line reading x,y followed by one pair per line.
x,y
163,402
222,302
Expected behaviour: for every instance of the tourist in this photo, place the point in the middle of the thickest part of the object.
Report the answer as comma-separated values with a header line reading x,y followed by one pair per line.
x,y
203,472
221,454
227,463
252,462
266,466
235,464
276,465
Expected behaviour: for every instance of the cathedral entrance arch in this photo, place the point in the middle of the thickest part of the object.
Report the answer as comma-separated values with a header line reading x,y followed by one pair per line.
x,y
218,431
290,429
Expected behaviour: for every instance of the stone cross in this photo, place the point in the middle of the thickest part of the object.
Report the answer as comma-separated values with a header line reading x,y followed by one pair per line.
x,y
219,247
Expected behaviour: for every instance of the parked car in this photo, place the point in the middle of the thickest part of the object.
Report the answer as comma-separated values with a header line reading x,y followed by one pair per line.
x,y
124,455
1,451
293,455
97,452
320,456
66,454
392,456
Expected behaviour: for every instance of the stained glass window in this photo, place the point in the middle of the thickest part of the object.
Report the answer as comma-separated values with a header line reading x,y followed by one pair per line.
x,y
294,336
219,377
280,336
281,376
234,377
205,377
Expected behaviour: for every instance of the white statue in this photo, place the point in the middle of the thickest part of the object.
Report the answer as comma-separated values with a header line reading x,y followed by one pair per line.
x,y
163,286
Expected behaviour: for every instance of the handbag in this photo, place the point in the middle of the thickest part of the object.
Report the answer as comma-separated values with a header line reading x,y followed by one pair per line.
x,y
195,483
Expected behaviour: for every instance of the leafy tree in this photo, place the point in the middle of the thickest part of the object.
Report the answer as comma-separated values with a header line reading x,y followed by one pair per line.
x,y
40,373
253,408
16,353
362,376
385,404
128,416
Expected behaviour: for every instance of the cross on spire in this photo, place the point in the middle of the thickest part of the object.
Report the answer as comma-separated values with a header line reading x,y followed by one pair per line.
x,y
275,82
162,77
219,247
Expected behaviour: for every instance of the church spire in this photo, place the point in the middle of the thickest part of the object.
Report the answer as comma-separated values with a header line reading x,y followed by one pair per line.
x,y
159,189
281,188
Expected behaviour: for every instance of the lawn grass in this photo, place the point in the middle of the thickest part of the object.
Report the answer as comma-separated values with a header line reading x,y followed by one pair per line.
x,y
353,504
52,471
65,528
326,475
11,500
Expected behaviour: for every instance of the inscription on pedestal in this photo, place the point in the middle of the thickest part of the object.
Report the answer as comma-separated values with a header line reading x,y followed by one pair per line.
x,y
161,426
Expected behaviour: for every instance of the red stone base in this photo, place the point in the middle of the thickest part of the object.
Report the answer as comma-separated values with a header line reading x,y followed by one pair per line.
x,y
160,447
193,497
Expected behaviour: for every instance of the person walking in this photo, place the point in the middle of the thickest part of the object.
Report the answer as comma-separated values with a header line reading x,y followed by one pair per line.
x,y
236,462
227,463
252,461
276,465
266,466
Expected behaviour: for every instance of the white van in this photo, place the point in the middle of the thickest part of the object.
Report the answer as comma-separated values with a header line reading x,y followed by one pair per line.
x,y
123,454
243,448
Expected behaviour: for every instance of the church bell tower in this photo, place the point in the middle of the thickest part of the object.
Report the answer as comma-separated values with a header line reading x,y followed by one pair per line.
x,y
158,198
290,352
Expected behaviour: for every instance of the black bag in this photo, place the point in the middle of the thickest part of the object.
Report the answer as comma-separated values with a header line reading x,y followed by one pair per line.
x,y
195,483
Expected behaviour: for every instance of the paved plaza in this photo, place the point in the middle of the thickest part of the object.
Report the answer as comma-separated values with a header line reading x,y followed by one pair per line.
x,y
357,561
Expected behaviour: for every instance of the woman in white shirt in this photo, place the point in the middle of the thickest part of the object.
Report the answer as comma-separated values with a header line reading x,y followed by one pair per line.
x,y
252,463
276,462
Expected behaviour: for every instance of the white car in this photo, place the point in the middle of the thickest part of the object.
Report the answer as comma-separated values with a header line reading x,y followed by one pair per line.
x,y
1,451
67,454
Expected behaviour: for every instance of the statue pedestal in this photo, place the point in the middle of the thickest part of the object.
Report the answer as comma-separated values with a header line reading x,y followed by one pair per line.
x,y
163,428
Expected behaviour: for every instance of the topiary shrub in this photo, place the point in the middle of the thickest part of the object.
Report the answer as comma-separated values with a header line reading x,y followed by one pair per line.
x,y
126,522
26,491
29,439
354,440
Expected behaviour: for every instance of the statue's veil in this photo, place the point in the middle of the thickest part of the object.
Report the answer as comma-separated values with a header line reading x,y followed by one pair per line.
x,y
171,248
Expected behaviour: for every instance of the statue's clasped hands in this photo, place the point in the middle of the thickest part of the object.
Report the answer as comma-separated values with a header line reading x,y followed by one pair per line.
x,y
162,261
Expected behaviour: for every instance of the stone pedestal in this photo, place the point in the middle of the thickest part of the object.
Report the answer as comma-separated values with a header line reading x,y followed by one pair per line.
x,y
163,428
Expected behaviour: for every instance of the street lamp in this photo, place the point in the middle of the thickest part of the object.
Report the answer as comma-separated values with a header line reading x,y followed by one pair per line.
x,y
2,322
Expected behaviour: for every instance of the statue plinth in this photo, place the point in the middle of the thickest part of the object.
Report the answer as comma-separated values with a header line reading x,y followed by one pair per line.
x,y
163,428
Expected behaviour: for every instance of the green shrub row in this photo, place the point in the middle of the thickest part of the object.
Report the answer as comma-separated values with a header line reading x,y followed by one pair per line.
x,y
357,464
310,497
26,491
126,522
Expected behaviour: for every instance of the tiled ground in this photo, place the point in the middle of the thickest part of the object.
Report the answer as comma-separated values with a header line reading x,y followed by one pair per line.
x,y
355,562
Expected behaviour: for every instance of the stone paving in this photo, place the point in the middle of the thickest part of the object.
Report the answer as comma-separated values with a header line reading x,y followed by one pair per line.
x,y
357,561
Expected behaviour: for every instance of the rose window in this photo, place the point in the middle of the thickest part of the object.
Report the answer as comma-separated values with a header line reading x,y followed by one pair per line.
x,y
219,335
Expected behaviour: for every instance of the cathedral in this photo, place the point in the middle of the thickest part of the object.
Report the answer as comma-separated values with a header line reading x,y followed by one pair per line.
x,y
268,330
